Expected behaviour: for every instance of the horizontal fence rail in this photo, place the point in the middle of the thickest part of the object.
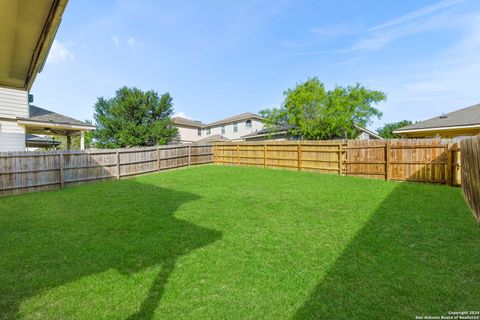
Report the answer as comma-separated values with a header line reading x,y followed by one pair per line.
x,y
24,172
422,160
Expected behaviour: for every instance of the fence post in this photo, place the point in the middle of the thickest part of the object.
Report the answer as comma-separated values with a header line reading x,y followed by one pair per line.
x,y
238,154
454,167
118,164
158,158
189,155
299,156
448,168
214,156
346,149
340,160
62,171
264,155
387,159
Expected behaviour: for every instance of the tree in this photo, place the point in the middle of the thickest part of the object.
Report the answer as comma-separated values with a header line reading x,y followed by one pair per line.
x,y
387,130
133,118
314,113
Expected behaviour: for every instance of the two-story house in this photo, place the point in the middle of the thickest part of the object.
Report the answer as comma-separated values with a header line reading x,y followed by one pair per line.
x,y
27,32
232,128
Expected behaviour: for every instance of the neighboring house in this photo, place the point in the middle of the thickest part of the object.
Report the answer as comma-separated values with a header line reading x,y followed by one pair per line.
x,y
188,130
27,31
280,133
457,124
233,128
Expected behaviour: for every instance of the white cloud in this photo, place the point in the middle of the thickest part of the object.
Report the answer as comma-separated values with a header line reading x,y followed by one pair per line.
x,y
116,40
417,14
59,53
442,84
376,38
131,41
181,114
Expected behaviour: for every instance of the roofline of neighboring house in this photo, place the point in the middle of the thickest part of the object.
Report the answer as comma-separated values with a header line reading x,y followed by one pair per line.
x,y
369,132
266,134
225,121
253,135
216,123
63,125
469,126
189,125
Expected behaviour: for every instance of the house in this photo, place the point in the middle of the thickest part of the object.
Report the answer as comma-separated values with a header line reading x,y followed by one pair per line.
x,y
27,31
46,122
460,123
280,133
232,128
188,130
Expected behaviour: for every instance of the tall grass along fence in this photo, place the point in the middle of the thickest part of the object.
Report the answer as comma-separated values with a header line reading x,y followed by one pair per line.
x,y
23,172
471,173
422,160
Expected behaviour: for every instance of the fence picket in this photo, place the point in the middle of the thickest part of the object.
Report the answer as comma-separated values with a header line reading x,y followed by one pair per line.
x,y
24,172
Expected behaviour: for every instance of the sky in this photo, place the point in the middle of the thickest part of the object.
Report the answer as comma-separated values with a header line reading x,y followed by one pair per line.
x,y
221,58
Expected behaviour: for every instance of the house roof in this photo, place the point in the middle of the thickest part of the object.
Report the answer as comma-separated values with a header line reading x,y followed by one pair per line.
x,y
187,122
371,133
281,129
34,140
239,117
213,138
463,117
198,124
27,30
38,114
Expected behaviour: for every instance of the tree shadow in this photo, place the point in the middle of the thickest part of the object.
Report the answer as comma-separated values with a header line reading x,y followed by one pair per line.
x,y
411,258
50,239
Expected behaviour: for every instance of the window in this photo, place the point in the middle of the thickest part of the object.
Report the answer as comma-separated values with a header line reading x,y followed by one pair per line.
x,y
223,129
235,127
248,124
199,131
208,131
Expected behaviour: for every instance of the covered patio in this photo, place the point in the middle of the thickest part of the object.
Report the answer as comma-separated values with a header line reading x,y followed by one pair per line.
x,y
46,122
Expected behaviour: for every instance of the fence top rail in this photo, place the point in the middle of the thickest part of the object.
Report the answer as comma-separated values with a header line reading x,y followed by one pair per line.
x,y
52,153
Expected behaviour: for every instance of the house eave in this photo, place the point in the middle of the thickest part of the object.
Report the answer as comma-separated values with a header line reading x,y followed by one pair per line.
x,y
475,126
27,34
54,125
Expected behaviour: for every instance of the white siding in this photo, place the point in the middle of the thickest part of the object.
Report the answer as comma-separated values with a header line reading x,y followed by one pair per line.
x,y
242,129
12,136
189,134
13,103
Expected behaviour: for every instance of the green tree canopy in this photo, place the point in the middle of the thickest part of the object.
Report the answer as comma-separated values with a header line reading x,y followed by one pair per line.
x,y
133,118
387,130
312,112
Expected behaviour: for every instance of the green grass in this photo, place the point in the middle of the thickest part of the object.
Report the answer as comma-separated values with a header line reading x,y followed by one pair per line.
x,y
238,243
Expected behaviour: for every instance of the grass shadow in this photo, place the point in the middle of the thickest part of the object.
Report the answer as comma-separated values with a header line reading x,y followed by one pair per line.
x,y
123,225
407,260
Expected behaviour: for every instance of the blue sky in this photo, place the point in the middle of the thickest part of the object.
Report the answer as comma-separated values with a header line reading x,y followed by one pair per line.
x,y
221,58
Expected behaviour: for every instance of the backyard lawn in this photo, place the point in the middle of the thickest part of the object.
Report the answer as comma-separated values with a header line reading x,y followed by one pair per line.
x,y
238,243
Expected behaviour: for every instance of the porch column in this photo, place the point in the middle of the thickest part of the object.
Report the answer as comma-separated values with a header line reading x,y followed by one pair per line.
x,y
68,143
82,140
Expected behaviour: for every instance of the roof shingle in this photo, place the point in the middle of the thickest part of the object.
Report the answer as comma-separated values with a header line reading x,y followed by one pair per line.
x,y
462,117
42,115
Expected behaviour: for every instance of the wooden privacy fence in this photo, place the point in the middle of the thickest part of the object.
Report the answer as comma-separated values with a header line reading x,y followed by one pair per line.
x,y
23,172
422,160
471,174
